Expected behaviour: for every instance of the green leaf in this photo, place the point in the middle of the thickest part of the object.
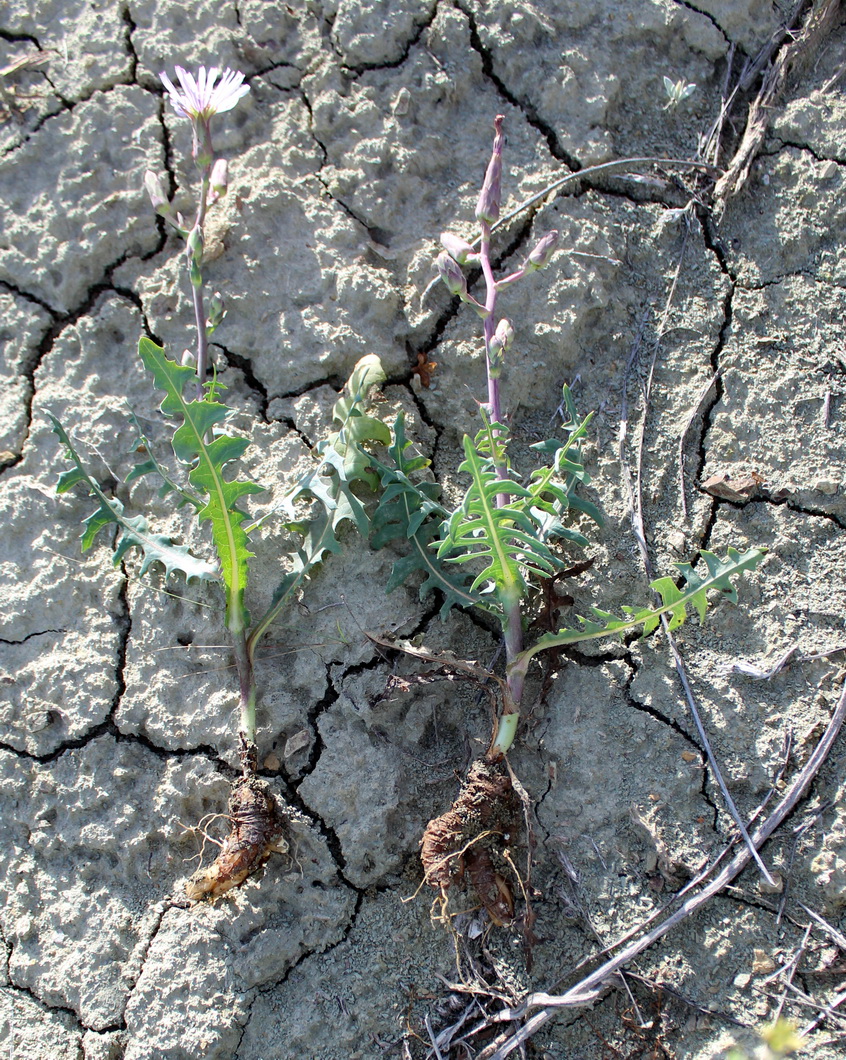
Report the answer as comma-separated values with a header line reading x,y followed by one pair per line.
x,y
134,532
207,453
342,463
367,374
356,428
153,466
409,511
675,602
504,539
554,485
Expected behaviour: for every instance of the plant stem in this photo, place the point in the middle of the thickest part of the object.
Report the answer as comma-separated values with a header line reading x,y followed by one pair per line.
x,y
203,154
197,291
494,407
512,620
247,685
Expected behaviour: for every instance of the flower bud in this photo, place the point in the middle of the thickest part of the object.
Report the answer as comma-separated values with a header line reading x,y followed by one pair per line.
x,y
503,336
450,272
458,249
541,256
500,341
195,245
217,311
219,179
487,208
155,189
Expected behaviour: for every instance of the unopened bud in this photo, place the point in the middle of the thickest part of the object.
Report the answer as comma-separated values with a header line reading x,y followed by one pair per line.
x,y
155,189
217,311
458,249
503,336
219,179
541,256
195,256
450,272
500,341
195,244
487,208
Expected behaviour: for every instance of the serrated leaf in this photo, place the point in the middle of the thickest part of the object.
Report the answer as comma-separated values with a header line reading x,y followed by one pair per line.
x,y
153,466
207,454
409,511
342,462
675,602
134,531
504,539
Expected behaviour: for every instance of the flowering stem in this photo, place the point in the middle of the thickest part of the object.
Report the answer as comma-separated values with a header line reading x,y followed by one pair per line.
x,y
487,212
203,153
197,288
512,619
494,407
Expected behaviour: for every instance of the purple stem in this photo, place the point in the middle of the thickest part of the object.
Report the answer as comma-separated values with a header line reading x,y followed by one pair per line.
x,y
512,619
494,407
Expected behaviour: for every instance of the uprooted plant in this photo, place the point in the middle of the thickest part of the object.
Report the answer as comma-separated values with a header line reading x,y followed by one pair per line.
x,y
491,552
206,456
511,535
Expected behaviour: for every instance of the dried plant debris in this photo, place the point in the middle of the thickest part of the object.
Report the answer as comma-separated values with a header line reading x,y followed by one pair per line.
x,y
256,833
467,843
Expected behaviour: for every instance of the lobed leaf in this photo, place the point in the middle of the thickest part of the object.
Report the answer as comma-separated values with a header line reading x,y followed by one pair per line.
x,y
153,466
502,538
207,453
675,602
134,531
342,463
409,511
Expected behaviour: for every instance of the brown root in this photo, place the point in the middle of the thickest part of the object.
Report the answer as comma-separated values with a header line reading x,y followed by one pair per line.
x,y
466,842
256,830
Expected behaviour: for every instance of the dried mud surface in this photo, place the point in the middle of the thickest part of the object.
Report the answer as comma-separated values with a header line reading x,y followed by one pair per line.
x,y
365,135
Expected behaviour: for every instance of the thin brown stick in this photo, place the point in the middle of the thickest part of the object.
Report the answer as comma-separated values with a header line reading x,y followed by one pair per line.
x,y
823,1016
635,491
588,989
790,970
836,936
792,58
799,997
751,69
444,659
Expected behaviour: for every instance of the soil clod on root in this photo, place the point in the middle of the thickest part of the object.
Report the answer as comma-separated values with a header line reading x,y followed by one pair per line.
x,y
466,844
255,834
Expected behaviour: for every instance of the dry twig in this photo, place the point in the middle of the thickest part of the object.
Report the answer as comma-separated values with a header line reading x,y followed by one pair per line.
x,y
636,507
792,58
590,988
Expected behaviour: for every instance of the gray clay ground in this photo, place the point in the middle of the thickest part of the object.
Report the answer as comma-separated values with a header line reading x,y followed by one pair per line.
x,y
364,136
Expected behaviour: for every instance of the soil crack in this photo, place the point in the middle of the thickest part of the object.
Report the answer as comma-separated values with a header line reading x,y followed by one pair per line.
x,y
526,108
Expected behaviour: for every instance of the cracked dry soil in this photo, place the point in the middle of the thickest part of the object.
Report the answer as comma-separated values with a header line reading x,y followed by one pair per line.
x,y
364,136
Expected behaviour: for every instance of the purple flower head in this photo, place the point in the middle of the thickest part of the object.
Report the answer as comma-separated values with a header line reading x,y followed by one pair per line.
x,y
201,97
